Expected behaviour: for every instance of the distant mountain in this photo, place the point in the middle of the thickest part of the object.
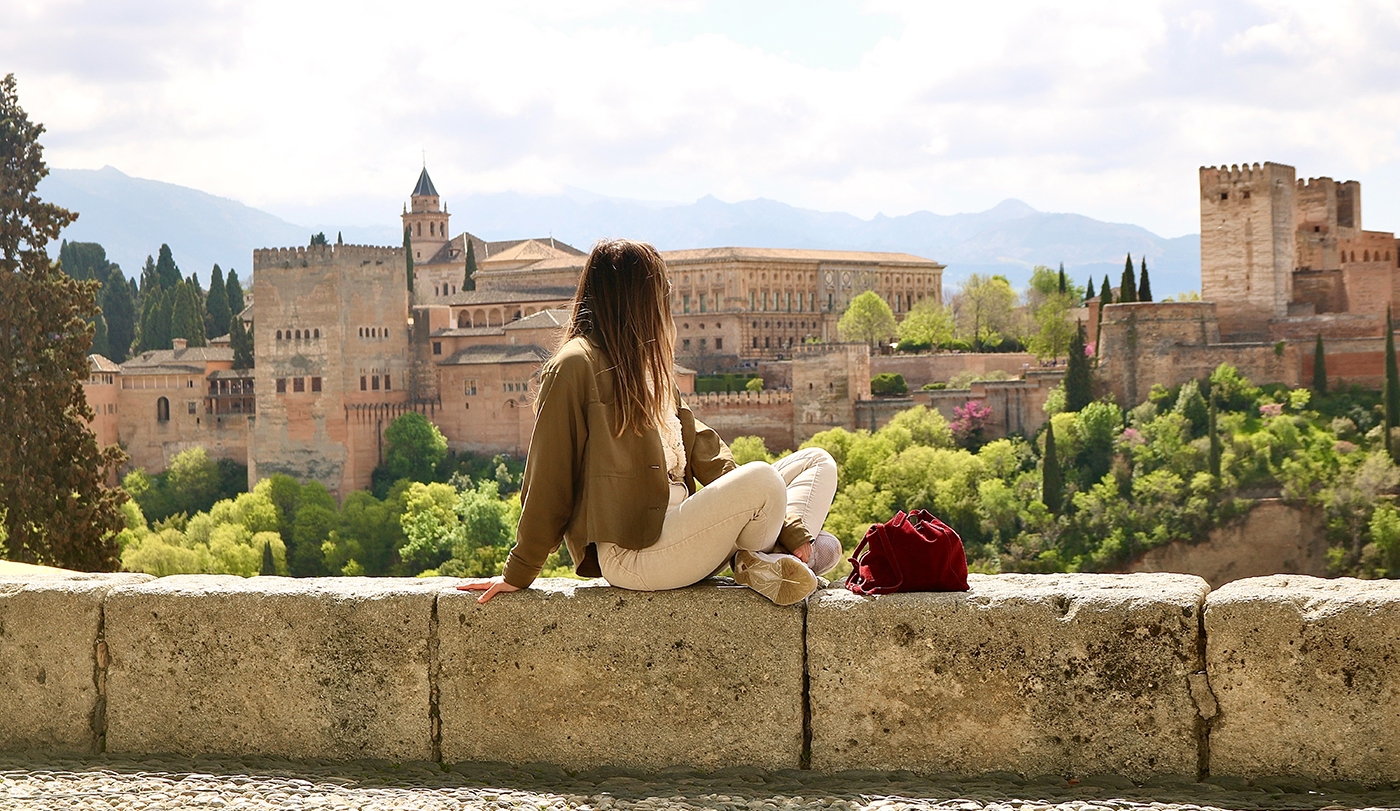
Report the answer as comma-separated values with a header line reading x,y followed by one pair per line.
x,y
131,217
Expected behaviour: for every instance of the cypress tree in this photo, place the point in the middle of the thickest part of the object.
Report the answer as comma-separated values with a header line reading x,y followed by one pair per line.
x,y
1079,385
185,321
242,344
216,305
99,338
1319,367
164,315
408,255
1127,288
1052,479
469,283
1144,289
1214,457
1106,292
338,239
1062,278
150,282
166,270
234,290
1392,382
119,310
1105,299
1089,291
269,566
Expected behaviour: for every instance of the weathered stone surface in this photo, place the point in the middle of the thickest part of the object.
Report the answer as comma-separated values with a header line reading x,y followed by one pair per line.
x,y
583,675
330,667
50,678
1036,674
1307,675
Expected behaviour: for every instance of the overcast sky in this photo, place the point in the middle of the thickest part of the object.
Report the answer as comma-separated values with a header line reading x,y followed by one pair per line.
x,y
321,112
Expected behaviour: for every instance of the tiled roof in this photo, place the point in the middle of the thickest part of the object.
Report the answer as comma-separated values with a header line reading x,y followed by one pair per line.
x,y
474,297
192,358
544,319
497,353
794,254
425,185
453,251
101,363
467,332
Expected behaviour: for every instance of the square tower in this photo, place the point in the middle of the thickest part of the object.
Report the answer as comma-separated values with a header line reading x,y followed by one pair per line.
x,y
1248,241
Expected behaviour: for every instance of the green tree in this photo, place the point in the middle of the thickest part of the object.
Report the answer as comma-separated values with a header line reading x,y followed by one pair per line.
x,y
867,319
408,256
1054,331
1215,445
747,449
216,308
56,506
234,289
119,310
99,338
985,309
469,280
187,319
1319,381
338,239
319,239
1052,487
1079,384
1063,287
926,325
1089,290
84,260
1105,299
413,447
167,272
163,318
242,345
1127,287
269,565
1144,288
888,384
150,281
754,384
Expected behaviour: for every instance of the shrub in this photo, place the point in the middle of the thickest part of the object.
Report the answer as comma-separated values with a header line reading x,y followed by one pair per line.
x,y
887,384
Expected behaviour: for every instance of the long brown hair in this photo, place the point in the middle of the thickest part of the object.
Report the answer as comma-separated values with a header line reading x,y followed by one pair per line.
x,y
623,304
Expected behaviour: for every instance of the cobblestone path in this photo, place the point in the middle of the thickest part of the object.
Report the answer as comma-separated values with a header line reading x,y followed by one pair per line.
x,y
129,784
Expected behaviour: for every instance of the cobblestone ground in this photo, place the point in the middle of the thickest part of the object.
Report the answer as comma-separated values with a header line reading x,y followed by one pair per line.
x,y
131,784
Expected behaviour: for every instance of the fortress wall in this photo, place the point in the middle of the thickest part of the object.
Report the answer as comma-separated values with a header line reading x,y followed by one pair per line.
x,y
766,414
919,370
1140,675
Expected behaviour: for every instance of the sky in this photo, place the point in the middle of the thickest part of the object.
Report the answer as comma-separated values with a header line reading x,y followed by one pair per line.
x,y
320,112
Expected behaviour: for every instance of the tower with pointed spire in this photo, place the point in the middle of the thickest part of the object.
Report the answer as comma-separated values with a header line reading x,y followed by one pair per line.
x,y
425,219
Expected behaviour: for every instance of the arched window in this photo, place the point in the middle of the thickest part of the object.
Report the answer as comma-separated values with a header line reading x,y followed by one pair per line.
x,y
1365,256
432,228
279,334
298,334
420,229
316,333
163,410
462,319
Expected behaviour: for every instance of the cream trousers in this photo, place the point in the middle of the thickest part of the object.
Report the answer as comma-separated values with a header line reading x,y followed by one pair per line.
x,y
743,509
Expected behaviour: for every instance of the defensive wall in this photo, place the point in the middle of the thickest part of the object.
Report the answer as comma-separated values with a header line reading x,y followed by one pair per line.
x,y
1017,406
940,367
1138,675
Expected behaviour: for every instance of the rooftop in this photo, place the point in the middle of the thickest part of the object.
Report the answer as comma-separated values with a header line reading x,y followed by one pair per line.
x,y
101,363
511,296
191,358
425,185
523,353
544,319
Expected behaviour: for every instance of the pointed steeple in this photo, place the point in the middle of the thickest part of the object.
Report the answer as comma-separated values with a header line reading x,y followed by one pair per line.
x,y
425,185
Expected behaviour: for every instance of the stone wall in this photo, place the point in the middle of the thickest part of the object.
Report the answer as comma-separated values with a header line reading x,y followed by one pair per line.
x,y
1139,675
920,370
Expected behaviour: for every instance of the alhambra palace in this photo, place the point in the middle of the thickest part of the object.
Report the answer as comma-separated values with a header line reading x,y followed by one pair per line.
x,y
342,346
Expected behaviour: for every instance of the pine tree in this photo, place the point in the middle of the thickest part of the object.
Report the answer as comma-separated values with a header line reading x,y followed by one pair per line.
x,y
242,344
1089,291
1052,478
408,255
469,283
1392,383
166,270
1319,367
216,305
1079,385
234,290
1144,288
55,506
1062,278
1214,453
1127,288
269,566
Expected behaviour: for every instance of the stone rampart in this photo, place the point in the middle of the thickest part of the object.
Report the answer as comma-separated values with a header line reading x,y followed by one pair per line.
x,y
1139,675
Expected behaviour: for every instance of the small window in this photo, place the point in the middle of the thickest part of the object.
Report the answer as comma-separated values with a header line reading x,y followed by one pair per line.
x,y
298,384
1246,195
298,333
316,333
281,385
766,343
437,347
386,383
315,384
190,406
685,344
1224,195
755,342
163,410
1317,229
374,383
279,334
702,344
363,383
719,344
469,387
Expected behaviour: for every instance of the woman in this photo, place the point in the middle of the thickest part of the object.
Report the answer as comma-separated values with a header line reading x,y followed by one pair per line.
x,y
615,458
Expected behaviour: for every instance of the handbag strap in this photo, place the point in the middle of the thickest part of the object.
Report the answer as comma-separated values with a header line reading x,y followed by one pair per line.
x,y
854,578
893,559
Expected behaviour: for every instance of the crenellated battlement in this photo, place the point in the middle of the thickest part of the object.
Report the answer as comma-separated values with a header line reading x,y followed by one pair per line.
x,y
323,255
738,399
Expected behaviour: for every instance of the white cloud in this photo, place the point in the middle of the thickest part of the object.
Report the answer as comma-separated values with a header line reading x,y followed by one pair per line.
x,y
1100,107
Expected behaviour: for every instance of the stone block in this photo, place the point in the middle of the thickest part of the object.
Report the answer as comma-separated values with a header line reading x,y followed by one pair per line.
x,y
583,675
50,673
315,668
1068,674
1307,675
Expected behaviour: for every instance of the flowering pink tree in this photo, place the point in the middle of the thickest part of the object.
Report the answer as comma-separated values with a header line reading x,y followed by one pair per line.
x,y
970,421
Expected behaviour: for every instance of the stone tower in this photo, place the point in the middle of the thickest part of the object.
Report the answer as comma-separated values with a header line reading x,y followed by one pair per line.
x,y
426,219
1248,245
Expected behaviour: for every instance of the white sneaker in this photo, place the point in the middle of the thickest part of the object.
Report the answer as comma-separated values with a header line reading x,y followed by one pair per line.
x,y
781,578
826,552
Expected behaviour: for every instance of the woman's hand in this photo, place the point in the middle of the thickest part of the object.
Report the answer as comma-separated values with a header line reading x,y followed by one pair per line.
x,y
491,585
802,553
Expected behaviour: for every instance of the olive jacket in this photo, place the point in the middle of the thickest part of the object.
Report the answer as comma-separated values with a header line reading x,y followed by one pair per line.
x,y
583,483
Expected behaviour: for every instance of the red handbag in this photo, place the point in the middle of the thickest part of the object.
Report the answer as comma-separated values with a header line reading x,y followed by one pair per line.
x,y
914,552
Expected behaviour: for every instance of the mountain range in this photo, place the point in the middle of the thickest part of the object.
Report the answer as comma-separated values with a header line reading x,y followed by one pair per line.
x,y
132,216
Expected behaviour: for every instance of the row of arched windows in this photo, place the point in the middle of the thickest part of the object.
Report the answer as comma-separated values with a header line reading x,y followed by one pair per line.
x,y
1366,256
374,332
298,334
